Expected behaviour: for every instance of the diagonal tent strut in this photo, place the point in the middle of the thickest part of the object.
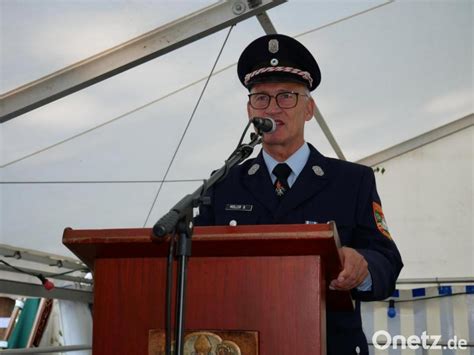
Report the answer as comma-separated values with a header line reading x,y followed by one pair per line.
x,y
327,132
268,27
125,56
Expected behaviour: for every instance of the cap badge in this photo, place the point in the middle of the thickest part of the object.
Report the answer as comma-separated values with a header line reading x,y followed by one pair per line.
x,y
274,62
273,46
318,171
253,169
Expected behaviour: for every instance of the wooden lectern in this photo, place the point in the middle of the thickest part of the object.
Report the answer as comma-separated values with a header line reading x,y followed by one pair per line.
x,y
265,280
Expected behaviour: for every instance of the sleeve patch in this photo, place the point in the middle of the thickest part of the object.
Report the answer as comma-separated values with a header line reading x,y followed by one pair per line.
x,y
380,220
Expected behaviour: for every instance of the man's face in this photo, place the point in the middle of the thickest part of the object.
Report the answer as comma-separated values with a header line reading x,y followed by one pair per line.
x,y
290,121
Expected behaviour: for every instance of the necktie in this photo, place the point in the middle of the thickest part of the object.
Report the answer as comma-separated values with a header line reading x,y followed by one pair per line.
x,y
281,171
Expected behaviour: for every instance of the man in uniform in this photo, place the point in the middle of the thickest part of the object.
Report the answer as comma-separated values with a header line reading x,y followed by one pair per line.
x,y
290,182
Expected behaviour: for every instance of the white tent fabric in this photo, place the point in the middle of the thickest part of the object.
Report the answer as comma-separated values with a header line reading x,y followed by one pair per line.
x,y
427,196
94,159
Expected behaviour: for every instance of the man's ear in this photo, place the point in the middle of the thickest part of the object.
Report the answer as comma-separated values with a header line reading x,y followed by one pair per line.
x,y
248,110
310,108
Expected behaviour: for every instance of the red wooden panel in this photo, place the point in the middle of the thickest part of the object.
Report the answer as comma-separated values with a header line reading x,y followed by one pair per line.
x,y
277,296
129,295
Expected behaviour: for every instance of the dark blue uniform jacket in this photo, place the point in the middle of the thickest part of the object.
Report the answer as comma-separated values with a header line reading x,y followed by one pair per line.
x,y
345,193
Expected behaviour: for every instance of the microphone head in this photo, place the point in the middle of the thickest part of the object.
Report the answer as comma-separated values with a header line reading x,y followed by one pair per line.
x,y
264,124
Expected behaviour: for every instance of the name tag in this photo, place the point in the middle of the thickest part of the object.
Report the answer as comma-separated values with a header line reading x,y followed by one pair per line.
x,y
241,208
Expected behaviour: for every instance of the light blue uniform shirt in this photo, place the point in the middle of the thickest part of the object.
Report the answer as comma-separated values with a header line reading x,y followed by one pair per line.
x,y
296,162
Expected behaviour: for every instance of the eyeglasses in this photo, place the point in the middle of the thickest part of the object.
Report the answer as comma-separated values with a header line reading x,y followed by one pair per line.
x,y
261,101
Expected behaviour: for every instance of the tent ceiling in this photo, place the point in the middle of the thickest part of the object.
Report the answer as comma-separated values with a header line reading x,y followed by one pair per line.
x,y
132,53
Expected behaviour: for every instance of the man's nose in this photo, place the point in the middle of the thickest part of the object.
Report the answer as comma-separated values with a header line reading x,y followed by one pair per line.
x,y
273,106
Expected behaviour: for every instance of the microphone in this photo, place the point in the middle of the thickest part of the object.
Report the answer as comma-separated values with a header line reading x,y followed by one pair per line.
x,y
264,124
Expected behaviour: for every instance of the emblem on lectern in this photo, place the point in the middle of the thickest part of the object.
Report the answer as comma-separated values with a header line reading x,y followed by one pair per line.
x,y
206,343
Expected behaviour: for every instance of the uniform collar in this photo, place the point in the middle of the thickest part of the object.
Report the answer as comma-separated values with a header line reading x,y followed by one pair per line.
x,y
296,162
308,184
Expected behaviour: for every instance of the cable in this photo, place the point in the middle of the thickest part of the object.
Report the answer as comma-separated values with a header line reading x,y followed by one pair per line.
x,y
243,134
392,310
169,294
112,120
178,91
344,18
429,298
84,270
187,125
48,285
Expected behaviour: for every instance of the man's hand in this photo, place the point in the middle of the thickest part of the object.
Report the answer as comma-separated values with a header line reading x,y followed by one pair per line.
x,y
355,270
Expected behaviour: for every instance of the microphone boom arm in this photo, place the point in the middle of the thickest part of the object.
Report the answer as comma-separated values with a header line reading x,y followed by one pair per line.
x,y
167,223
180,220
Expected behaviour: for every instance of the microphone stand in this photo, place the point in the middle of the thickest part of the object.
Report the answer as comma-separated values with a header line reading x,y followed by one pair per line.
x,y
180,220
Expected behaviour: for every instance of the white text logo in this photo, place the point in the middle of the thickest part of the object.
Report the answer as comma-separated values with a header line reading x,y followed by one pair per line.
x,y
383,340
